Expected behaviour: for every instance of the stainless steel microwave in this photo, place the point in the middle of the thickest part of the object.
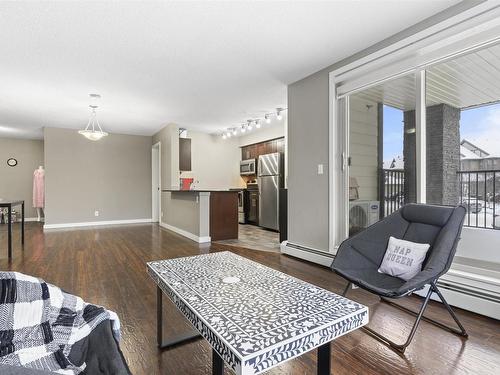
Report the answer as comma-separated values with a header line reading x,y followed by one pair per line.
x,y
247,167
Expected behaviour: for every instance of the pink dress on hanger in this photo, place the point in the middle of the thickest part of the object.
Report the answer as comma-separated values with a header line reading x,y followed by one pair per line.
x,y
39,188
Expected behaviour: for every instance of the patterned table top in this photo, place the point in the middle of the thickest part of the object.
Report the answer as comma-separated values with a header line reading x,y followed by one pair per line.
x,y
253,316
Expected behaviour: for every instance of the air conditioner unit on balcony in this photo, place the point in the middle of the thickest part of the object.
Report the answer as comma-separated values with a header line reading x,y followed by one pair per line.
x,y
362,214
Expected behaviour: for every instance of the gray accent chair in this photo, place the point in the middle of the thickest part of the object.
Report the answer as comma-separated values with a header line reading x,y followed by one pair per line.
x,y
359,257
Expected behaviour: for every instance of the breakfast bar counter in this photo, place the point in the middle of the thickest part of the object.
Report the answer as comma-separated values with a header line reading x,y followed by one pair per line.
x,y
203,215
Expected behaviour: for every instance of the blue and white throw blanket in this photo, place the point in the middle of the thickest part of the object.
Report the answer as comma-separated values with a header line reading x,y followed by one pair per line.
x,y
39,323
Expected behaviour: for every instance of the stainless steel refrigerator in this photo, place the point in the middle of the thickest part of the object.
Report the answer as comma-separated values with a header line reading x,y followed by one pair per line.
x,y
270,180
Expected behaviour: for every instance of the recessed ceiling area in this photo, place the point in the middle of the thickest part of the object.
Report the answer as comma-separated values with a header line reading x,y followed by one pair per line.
x,y
463,82
205,66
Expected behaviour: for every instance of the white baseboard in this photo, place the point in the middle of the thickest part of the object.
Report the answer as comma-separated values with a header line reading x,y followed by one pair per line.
x,y
185,233
96,223
312,255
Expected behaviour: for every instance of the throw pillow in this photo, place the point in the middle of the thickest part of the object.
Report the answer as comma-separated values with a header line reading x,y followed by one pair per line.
x,y
403,259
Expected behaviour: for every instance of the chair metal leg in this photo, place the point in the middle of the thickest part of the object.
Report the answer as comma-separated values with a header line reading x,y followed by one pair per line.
x,y
401,347
346,289
433,287
462,331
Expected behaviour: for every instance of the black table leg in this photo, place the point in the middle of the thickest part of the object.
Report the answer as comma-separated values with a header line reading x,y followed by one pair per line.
x,y
22,224
159,316
324,359
175,340
9,231
217,364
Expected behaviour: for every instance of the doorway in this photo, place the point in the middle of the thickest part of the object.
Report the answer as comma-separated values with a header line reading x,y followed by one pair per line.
x,y
156,182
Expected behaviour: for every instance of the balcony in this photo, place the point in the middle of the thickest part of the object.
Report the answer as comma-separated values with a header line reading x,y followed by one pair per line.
x,y
479,193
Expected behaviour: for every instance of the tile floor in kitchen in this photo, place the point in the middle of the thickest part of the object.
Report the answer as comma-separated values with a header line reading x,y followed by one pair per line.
x,y
255,238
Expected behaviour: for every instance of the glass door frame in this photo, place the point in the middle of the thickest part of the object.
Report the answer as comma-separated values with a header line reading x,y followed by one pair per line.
x,y
341,80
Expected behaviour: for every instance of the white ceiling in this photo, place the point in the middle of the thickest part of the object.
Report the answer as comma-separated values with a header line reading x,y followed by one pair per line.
x,y
203,65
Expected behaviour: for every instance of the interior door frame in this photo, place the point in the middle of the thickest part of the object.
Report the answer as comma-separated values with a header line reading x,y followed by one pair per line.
x,y
156,190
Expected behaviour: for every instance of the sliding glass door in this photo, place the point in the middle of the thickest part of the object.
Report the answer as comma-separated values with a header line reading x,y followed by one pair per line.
x,y
381,151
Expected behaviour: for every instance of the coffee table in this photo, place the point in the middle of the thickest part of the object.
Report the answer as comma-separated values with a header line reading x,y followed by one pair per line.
x,y
254,317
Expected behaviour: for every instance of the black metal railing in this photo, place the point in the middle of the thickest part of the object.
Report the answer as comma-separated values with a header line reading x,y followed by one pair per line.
x,y
480,194
393,190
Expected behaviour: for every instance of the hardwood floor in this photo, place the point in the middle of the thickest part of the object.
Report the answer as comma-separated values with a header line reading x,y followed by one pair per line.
x,y
107,266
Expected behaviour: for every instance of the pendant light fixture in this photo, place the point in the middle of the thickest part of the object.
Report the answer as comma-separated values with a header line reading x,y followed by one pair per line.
x,y
93,130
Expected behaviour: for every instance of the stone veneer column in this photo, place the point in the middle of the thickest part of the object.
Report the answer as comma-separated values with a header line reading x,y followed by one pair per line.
x,y
443,154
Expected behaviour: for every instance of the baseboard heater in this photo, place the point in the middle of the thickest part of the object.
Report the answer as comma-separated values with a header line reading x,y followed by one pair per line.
x,y
485,295
303,252
470,293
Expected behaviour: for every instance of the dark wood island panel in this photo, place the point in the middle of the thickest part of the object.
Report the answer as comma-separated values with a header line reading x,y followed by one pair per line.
x,y
223,215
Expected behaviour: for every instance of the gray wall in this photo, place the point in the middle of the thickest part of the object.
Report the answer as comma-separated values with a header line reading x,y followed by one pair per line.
x,y
17,182
182,210
308,147
112,175
169,140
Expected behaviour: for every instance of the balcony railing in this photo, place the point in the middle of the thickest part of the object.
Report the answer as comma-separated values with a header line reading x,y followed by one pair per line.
x,y
480,194
393,193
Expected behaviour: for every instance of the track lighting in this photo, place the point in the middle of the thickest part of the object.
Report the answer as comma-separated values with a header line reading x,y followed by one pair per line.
x,y
279,117
248,126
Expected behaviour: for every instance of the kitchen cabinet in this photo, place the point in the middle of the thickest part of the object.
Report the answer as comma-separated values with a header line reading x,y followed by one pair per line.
x,y
223,215
249,152
262,148
184,154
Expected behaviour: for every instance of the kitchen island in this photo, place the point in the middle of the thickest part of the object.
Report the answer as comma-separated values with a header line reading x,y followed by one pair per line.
x,y
201,215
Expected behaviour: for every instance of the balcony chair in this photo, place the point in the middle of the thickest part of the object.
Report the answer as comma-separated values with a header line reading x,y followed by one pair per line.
x,y
360,256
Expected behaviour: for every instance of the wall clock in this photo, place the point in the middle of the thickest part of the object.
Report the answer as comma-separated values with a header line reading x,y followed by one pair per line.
x,y
11,162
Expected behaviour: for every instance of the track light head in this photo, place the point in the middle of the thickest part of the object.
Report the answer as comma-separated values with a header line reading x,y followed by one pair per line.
x,y
257,124
268,119
279,117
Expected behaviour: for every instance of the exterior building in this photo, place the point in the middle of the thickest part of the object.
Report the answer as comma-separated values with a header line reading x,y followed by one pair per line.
x,y
474,158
